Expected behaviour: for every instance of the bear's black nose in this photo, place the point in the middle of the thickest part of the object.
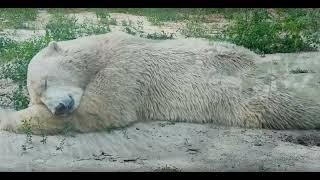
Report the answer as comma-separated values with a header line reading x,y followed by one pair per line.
x,y
60,109
65,106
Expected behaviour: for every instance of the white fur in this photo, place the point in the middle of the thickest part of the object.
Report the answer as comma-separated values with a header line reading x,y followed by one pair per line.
x,y
118,79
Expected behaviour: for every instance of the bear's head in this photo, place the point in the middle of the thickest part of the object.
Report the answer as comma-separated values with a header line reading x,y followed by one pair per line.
x,y
53,80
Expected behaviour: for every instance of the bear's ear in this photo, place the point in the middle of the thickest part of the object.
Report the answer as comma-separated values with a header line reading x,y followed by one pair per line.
x,y
53,45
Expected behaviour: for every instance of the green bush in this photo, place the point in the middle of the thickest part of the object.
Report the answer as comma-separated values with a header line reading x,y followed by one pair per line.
x,y
17,56
195,29
90,29
61,27
104,17
130,30
25,50
160,36
261,32
5,43
16,17
21,101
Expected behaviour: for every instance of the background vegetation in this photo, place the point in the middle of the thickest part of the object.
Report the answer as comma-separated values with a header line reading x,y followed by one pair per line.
x,y
261,30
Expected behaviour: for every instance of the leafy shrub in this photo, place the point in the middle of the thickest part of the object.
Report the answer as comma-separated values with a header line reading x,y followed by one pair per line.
x,y
16,17
21,101
195,29
16,57
61,27
160,36
262,32
104,17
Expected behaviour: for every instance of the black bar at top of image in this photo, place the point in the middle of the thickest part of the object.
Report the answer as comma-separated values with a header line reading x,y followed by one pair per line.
x,y
158,3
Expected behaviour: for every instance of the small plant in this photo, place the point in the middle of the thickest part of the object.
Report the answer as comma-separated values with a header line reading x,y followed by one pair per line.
x,y
104,17
130,30
299,70
21,101
160,36
66,131
61,144
167,169
42,132
113,21
61,27
44,139
195,29
27,129
102,13
140,26
157,17
89,29
5,43
124,23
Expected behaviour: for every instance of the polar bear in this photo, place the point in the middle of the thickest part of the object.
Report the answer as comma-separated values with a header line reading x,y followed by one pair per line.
x,y
113,80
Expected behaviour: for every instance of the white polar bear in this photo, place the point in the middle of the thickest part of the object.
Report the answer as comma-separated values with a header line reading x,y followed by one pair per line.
x,y
116,79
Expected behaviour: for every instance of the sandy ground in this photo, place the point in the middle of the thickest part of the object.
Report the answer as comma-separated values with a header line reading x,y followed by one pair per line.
x,y
158,145
176,146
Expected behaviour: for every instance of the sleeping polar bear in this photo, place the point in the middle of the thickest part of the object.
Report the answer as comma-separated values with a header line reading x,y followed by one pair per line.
x,y
116,79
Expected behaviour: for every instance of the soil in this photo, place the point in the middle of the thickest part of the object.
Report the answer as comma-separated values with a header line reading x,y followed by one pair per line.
x,y
174,147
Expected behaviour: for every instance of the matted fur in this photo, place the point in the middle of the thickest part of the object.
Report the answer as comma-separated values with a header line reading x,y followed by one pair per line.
x,y
123,79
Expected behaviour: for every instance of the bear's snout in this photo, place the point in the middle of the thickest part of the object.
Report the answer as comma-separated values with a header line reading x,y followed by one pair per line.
x,y
62,100
64,107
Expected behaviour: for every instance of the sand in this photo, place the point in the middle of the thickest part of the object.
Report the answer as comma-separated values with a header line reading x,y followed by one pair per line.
x,y
160,146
